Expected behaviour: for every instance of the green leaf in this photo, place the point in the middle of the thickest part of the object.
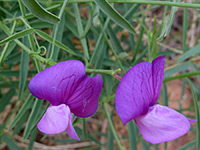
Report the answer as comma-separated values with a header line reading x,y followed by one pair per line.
x,y
59,36
110,136
10,143
17,36
32,138
40,12
99,44
197,113
164,95
80,31
70,25
23,70
190,53
177,68
114,39
168,22
33,118
114,15
24,108
10,84
20,124
4,101
132,135
10,73
57,43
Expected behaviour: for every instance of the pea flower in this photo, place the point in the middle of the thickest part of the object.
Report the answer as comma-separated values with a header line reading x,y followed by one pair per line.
x,y
68,89
136,98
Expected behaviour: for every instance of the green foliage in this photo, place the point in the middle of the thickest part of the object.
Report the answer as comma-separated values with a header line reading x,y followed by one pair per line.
x,y
109,36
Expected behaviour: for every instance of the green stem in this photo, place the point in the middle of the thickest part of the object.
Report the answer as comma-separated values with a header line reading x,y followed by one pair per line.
x,y
80,32
164,3
108,72
84,128
56,28
132,136
181,76
110,46
112,127
7,44
30,37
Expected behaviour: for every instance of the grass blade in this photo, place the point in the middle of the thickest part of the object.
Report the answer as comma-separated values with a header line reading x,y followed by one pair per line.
x,y
17,36
114,15
197,112
189,53
5,100
57,43
23,70
10,143
33,118
24,108
80,31
132,136
40,12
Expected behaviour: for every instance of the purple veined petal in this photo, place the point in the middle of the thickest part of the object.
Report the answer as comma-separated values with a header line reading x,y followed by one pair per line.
x,y
134,93
58,82
70,129
55,119
158,66
84,100
162,124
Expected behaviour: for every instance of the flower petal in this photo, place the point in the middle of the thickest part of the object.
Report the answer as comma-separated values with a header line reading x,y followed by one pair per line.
x,y
158,66
162,124
55,120
84,100
70,129
134,93
58,82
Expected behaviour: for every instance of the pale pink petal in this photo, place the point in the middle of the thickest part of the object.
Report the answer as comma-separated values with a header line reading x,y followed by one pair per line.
x,y
162,124
55,119
70,129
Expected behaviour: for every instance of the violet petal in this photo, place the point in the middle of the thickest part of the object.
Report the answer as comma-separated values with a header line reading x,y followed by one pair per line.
x,y
158,66
58,82
134,93
70,129
84,100
55,119
161,124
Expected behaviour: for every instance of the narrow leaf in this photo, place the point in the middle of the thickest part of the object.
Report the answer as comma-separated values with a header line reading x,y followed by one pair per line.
x,y
190,53
177,68
114,15
23,70
4,101
132,136
197,112
17,36
40,12
33,117
24,108
57,43
10,143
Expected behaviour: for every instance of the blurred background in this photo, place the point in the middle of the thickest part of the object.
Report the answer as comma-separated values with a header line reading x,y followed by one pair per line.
x,y
102,38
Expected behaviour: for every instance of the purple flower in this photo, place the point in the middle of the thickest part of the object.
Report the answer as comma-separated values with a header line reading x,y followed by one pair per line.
x,y
136,99
68,89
